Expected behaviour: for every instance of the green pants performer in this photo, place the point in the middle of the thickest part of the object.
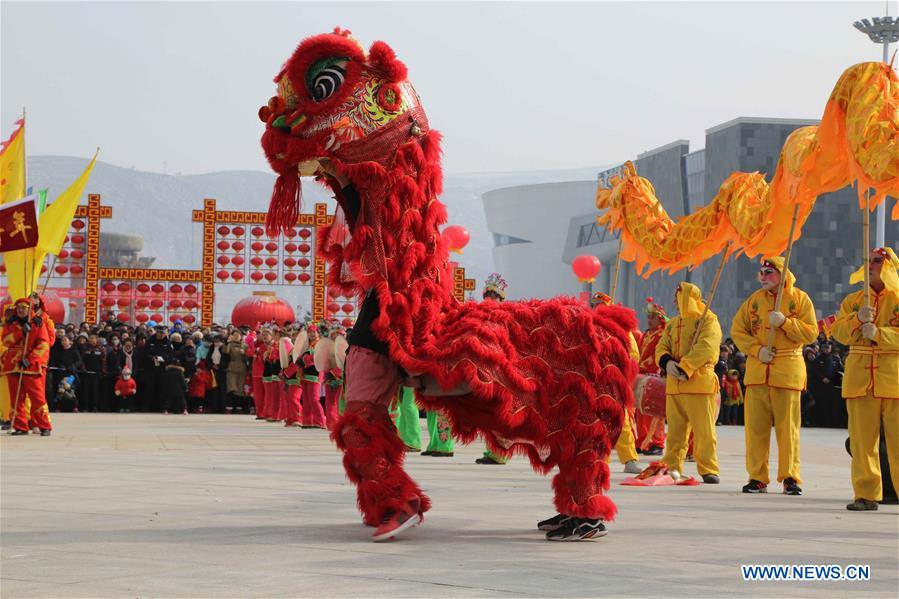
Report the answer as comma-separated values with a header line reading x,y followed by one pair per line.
x,y
494,290
440,443
491,458
405,415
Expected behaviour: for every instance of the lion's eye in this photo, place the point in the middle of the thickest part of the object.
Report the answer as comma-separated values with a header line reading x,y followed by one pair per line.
x,y
326,78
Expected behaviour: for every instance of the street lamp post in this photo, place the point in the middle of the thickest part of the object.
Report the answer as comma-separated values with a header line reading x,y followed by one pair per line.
x,y
881,30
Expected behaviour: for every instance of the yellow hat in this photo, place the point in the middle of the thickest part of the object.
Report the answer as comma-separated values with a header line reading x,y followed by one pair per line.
x,y
689,300
889,274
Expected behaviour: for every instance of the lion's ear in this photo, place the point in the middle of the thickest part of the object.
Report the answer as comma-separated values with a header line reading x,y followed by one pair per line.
x,y
384,58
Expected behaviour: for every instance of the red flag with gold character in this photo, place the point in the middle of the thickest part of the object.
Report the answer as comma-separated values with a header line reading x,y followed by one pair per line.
x,y
18,225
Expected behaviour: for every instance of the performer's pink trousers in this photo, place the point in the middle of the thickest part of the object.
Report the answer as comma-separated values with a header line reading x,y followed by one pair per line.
x,y
290,409
259,397
272,399
313,414
332,405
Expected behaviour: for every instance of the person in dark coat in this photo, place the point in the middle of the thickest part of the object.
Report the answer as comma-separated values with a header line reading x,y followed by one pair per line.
x,y
175,385
159,350
92,358
142,371
65,361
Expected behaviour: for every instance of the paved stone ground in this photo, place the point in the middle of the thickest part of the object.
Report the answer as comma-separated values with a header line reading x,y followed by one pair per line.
x,y
224,506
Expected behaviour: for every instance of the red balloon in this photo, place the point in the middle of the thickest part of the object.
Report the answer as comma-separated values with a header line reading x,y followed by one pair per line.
x,y
305,233
222,274
142,303
158,288
261,307
223,230
238,231
256,261
176,288
77,254
304,262
142,317
347,308
586,268
271,276
290,262
76,270
123,287
257,231
304,247
61,269
291,248
290,233
77,224
457,238
77,239
238,246
290,277
223,245
143,288
333,307
124,302
237,260
190,288
237,275
223,260
256,246
108,287
63,254
256,276
271,246
271,261
304,278
156,318
156,303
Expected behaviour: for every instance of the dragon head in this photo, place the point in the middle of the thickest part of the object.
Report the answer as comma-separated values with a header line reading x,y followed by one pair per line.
x,y
335,102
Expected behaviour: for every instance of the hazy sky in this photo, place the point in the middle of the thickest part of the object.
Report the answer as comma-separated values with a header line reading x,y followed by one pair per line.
x,y
513,86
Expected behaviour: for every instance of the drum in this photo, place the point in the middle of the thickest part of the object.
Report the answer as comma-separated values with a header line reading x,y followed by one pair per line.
x,y
340,350
323,356
649,393
300,345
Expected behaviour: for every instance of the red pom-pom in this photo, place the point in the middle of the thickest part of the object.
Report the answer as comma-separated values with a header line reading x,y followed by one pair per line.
x,y
649,300
382,56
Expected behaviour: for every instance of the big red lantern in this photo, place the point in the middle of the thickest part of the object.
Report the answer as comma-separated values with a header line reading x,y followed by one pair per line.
x,y
586,268
456,237
262,306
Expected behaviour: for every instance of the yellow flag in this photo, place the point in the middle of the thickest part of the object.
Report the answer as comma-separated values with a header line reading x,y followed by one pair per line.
x,y
23,267
12,165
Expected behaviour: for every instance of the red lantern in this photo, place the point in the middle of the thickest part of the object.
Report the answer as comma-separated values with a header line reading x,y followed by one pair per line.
x,y
256,276
156,318
238,246
175,317
142,303
347,322
122,317
157,288
304,248
271,262
124,302
237,275
291,248
108,302
257,232
256,246
256,261
223,260
262,306
156,303
77,224
61,269
174,304
73,304
347,308
223,230
457,238
76,270
290,277
123,287
43,268
586,268
290,233
271,276
333,307
223,246
222,274
77,254
190,288
63,254
304,278
237,260
77,239
66,240
271,246
142,317
290,262
108,287
238,231
305,233
304,262
189,318
176,288
190,304
143,288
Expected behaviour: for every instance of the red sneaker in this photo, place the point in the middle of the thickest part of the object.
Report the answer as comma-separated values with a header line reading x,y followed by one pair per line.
x,y
395,523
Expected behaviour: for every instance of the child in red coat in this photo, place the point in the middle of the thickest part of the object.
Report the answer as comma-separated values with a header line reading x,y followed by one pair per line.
x,y
200,383
125,389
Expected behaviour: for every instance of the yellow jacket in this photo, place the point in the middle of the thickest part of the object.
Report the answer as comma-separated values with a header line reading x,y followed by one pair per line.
x,y
750,329
865,357
698,361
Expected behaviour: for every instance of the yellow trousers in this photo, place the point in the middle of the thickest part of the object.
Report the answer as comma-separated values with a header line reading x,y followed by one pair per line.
x,y
686,411
5,406
865,417
763,406
627,443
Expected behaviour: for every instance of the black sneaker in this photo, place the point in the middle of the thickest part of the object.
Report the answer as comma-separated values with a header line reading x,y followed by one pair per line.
x,y
487,460
441,454
5,425
578,529
45,432
553,523
791,487
654,450
17,433
710,479
862,505
755,486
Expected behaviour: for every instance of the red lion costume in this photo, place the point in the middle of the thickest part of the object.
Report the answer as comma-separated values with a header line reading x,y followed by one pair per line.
x,y
548,379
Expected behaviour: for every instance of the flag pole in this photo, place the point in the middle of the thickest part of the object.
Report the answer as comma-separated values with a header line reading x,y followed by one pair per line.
x,y
778,302
614,287
711,296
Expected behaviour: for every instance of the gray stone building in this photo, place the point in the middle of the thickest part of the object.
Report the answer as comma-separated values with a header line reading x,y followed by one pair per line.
x,y
829,249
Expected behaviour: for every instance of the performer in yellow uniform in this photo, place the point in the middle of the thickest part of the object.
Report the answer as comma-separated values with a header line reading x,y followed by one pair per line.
x,y
871,379
775,376
692,386
626,446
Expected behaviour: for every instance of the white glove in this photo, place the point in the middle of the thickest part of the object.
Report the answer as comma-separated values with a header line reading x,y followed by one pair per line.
x,y
866,314
673,370
869,331
767,355
775,319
